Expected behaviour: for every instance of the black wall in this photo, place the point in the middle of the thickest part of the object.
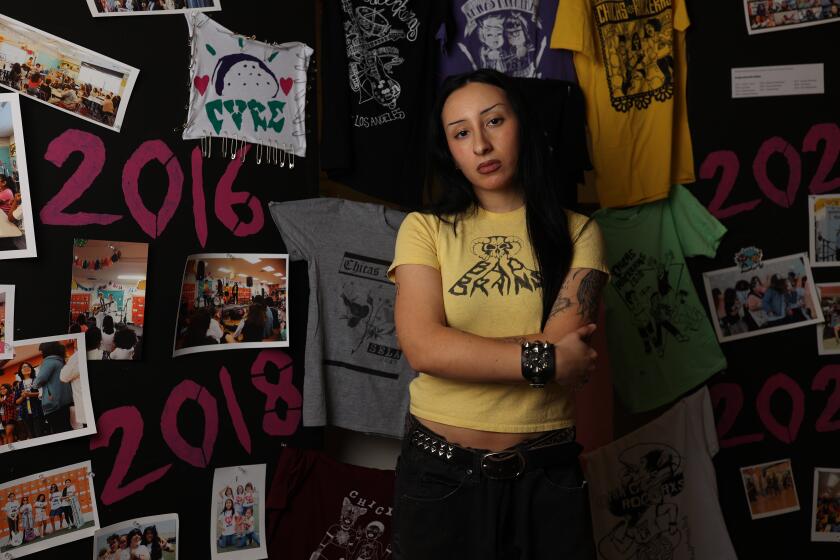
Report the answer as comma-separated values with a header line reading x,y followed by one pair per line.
x,y
157,45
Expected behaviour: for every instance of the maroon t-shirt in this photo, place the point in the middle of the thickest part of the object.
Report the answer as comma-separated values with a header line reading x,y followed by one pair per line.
x,y
321,509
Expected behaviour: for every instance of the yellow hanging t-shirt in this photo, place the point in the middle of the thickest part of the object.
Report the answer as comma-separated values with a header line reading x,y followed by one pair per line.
x,y
630,62
491,288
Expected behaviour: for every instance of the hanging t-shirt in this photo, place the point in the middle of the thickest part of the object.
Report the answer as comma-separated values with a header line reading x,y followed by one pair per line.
x,y
510,36
317,505
378,62
660,340
630,62
246,89
356,376
653,493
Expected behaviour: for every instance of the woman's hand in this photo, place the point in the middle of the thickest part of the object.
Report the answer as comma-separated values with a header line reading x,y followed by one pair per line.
x,y
574,358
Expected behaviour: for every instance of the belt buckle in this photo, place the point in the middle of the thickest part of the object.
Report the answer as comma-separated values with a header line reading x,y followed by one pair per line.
x,y
494,465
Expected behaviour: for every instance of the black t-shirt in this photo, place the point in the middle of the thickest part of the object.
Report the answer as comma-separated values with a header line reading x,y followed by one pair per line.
x,y
320,508
378,63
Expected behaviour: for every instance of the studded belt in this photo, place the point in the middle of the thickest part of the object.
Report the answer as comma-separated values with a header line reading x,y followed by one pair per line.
x,y
554,448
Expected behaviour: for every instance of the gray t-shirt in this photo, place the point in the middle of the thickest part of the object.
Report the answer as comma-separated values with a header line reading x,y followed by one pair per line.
x,y
356,376
653,492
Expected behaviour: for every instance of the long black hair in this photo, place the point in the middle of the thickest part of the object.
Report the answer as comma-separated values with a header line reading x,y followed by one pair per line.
x,y
453,196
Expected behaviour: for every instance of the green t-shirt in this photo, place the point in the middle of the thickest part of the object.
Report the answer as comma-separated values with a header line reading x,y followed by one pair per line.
x,y
660,340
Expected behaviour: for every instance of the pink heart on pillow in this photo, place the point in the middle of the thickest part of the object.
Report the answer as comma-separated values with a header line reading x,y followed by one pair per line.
x,y
286,85
201,83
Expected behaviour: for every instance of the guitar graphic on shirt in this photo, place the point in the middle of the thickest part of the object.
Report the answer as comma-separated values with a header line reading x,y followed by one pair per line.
x,y
385,90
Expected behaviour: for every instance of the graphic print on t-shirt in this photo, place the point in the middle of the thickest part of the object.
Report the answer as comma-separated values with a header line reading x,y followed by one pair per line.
x,y
651,525
636,39
366,307
497,269
652,291
371,32
355,537
506,31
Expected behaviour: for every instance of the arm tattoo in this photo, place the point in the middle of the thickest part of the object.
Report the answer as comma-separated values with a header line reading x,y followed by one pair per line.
x,y
589,294
562,302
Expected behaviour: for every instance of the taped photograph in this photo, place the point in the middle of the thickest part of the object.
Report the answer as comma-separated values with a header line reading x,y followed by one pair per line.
x,y
108,297
232,301
237,517
825,516
764,16
770,489
7,321
824,232
47,509
17,229
44,393
64,75
107,8
778,296
828,333
147,538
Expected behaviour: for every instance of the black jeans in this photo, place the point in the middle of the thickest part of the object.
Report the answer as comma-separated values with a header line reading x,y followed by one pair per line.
x,y
444,511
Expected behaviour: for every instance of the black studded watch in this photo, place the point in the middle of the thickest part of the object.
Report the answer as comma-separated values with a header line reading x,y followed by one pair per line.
x,y
538,363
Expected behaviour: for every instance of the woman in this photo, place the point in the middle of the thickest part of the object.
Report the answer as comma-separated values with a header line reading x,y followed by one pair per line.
x,y
27,522
124,342
72,507
136,550
30,404
155,543
108,330
56,509
93,339
56,396
40,510
252,327
227,525
8,413
496,266
15,76
197,328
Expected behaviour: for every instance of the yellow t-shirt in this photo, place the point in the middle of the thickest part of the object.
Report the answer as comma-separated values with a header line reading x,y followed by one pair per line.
x,y
491,288
630,62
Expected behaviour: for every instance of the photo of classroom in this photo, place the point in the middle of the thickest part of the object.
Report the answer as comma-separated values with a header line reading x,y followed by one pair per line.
x,y
57,72
12,226
108,297
232,300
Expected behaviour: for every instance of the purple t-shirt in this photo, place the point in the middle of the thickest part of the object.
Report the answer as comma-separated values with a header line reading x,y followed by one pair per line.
x,y
511,36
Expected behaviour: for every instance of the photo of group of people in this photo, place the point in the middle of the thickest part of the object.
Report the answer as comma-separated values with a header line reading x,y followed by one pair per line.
x,y
47,509
100,8
146,538
779,295
238,519
44,393
17,236
232,301
63,75
7,321
828,333
770,489
824,234
778,15
108,297
825,521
